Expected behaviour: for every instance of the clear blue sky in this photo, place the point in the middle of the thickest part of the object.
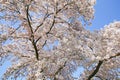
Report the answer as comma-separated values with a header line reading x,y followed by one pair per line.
x,y
106,11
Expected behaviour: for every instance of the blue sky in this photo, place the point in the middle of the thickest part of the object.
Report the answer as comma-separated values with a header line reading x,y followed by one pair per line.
x,y
106,11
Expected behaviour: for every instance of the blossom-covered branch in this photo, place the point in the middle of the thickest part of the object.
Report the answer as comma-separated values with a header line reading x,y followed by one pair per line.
x,y
100,64
32,33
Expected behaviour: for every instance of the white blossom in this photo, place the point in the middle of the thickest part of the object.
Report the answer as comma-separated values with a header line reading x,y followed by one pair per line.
x,y
47,40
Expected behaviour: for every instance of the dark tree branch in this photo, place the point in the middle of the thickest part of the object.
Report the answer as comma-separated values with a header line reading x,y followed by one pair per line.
x,y
99,65
29,23
59,70
56,12
38,39
32,33
96,70
118,54
44,43
15,30
45,17
59,10
36,50
53,23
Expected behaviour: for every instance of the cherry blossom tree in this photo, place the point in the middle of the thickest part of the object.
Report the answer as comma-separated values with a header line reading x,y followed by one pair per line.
x,y
46,40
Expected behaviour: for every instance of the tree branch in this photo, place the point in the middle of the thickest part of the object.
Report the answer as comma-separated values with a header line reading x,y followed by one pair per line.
x,y
59,70
29,23
95,71
45,17
44,43
32,33
99,65
64,7
38,39
118,54
15,30
51,26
